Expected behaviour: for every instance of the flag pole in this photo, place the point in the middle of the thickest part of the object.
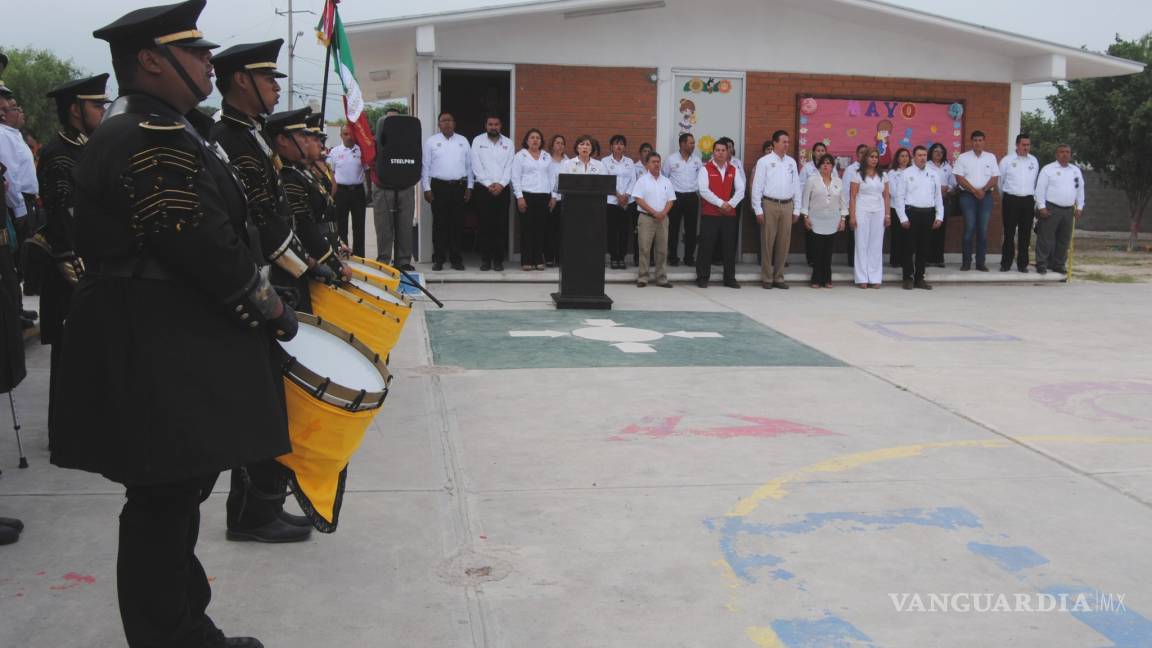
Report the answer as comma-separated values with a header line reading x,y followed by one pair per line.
x,y
327,67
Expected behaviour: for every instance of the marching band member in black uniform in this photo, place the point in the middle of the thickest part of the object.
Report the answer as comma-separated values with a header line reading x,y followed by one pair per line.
x,y
79,107
167,371
246,76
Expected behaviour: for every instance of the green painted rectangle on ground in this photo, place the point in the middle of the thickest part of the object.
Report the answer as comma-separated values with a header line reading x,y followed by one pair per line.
x,y
528,339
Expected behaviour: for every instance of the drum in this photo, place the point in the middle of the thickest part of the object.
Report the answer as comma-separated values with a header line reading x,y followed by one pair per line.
x,y
396,305
363,317
374,272
334,385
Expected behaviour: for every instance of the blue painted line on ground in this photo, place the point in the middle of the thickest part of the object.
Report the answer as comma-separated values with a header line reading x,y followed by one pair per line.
x,y
826,632
1008,558
979,333
1122,626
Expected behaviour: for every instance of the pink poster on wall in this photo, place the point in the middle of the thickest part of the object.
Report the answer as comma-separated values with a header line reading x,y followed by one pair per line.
x,y
885,123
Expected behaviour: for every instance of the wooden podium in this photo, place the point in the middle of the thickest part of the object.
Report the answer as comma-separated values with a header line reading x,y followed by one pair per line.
x,y
584,210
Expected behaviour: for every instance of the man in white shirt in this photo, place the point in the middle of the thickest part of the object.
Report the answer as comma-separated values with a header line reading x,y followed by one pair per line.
x,y
1018,173
977,174
15,154
350,198
776,201
492,168
683,169
447,181
1059,203
919,205
655,197
721,187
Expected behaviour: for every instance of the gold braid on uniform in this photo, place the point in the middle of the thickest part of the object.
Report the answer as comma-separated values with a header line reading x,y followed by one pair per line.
x,y
161,184
261,208
299,202
59,182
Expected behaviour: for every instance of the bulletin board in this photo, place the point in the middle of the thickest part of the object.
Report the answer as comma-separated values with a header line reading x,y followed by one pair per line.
x,y
708,105
886,123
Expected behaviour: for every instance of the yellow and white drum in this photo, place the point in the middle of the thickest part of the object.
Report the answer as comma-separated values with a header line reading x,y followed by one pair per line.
x,y
368,320
374,272
334,385
389,301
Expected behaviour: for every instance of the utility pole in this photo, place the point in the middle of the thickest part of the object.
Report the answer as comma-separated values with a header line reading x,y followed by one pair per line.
x,y
292,38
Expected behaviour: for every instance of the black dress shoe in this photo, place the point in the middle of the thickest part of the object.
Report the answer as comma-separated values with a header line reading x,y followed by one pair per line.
x,y
666,284
923,285
438,266
12,523
498,266
701,283
780,284
966,266
674,262
485,267
1042,271
459,265
293,519
30,314
1023,269
767,285
8,535
1059,270
408,267
731,284
216,639
276,531
981,267
907,284
1005,268
689,261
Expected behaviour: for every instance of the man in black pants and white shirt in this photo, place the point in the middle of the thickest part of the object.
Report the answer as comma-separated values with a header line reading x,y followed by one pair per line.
x,y
920,207
1018,173
348,168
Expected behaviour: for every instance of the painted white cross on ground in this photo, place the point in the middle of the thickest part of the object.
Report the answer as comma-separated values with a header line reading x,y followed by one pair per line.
x,y
625,338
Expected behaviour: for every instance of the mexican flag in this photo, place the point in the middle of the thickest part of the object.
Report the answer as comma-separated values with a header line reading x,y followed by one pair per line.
x,y
330,31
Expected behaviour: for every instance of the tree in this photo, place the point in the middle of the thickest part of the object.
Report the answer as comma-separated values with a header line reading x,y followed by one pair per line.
x,y
376,112
31,74
1109,122
1045,135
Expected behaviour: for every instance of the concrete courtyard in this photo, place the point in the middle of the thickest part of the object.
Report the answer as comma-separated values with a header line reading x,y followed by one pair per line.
x,y
833,457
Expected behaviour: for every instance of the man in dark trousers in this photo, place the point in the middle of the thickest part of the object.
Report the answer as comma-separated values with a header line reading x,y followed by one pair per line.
x,y
167,373
246,76
79,108
721,190
351,200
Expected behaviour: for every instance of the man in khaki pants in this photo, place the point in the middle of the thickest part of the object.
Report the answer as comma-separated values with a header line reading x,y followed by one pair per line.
x,y
654,196
776,201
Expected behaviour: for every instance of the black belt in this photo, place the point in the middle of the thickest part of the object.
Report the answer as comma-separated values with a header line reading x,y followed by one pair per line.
x,y
352,186
778,201
931,209
128,268
461,181
1052,204
1016,196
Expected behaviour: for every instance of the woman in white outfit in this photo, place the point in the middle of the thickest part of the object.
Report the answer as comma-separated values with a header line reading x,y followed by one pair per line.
x,y
532,186
868,214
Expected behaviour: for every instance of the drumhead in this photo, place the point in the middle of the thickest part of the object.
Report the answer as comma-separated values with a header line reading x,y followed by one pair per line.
x,y
331,357
370,271
375,291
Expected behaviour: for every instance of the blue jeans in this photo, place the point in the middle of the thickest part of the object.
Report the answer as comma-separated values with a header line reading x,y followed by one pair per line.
x,y
976,214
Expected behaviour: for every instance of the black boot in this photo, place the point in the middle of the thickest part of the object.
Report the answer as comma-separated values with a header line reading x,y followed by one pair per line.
x,y
276,531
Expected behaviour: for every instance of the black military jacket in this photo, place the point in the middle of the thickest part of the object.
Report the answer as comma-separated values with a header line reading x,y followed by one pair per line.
x,y
58,160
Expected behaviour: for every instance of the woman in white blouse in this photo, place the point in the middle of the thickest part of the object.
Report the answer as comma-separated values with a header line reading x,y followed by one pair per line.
x,y
868,212
583,163
824,214
899,240
554,226
938,159
532,186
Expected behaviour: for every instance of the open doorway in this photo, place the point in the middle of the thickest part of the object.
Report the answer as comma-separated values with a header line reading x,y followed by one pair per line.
x,y
472,94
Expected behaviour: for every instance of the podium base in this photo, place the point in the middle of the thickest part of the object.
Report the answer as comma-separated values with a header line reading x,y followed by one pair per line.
x,y
588,302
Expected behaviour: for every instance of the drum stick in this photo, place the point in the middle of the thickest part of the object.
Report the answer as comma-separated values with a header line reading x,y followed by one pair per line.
x,y
411,281
16,427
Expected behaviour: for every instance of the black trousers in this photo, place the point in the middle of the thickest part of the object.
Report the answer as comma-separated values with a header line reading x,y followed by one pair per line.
x,y
162,587
617,229
447,220
715,230
351,199
492,212
850,238
898,242
532,229
918,240
1018,212
553,231
939,236
685,211
256,494
821,247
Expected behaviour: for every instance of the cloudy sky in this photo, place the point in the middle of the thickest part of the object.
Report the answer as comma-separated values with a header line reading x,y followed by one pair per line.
x,y
65,27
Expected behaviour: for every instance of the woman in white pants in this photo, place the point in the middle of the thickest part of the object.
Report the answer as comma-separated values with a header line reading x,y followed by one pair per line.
x,y
868,215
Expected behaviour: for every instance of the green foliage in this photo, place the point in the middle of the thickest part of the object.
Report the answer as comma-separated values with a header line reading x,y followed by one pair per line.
x,y
1109,122
1045,134
31,74
376,112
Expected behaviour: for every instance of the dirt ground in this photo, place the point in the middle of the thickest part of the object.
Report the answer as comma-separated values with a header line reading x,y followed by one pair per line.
x,y
1101,257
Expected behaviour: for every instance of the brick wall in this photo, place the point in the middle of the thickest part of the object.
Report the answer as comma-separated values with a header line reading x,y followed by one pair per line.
x,y
771,104
599,101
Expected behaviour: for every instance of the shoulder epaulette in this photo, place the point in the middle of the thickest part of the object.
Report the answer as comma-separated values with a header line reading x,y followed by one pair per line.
x,y
160,124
